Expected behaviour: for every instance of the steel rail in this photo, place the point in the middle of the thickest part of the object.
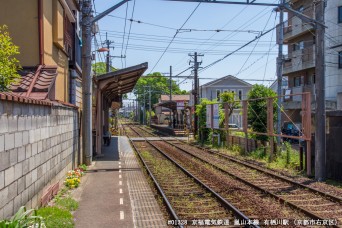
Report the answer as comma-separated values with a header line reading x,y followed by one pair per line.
x,y
282,200
269,173
223,201
160,190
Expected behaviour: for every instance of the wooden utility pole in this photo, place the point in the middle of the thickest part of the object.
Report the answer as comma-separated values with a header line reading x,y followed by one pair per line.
x,y
320,153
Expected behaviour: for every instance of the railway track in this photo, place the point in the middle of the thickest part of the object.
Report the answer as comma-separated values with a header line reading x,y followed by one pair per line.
x,y
190,202
313,203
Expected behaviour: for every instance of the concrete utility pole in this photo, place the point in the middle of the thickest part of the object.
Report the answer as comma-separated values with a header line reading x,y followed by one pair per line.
x,y
320,137
170,122
87,22
280,69
195,91
149,102
108,60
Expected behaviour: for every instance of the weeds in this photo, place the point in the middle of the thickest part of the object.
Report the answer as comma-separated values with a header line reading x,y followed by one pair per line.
x,y
56,217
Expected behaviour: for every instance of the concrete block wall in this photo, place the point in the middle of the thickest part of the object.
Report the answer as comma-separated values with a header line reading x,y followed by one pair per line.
x,y
38,145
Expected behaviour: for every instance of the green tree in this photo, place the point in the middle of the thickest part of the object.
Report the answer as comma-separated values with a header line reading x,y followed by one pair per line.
x,y
257,111
100,68
159,85
9,65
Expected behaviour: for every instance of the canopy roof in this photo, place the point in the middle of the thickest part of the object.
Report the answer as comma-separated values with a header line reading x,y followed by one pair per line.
x,y
167,104
114,84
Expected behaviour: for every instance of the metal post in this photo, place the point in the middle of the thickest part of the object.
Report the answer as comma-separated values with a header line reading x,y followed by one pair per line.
x,y
170,122
195,94
108,55
86,82
144,110
320,146
149,102
280,69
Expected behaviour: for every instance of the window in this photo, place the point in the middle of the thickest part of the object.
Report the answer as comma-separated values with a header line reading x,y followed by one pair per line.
x,y
298,46
218,92
297,81
340,59
240,94
225,90
340,14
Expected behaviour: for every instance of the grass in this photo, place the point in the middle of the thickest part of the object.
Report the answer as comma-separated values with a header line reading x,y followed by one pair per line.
x,y
59,215
55,217
67,203
286,159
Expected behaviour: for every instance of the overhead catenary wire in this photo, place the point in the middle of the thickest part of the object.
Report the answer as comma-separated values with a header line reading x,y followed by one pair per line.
x,y
129,30
256,43
175,37
124,36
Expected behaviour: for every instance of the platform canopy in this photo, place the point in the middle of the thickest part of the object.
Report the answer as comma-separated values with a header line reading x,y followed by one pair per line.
x,y
109,90
167,104
114,84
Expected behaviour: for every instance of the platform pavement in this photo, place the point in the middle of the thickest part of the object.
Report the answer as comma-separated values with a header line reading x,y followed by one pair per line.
x,y
115,192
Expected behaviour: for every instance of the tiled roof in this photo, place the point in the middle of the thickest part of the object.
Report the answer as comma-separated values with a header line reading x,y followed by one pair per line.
x,y
9,96
35,82
175,97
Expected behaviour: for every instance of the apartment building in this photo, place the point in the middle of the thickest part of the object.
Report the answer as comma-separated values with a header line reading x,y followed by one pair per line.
x,y
48,36
299,65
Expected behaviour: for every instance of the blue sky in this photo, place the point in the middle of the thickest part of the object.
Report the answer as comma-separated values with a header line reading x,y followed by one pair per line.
x,y
160,21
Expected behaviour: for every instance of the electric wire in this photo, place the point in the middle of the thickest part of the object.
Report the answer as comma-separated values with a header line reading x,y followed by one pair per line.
x,y
175,37
124,36
129,30
256,43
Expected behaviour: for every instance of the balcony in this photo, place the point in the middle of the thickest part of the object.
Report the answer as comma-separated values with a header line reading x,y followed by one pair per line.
x,y
295,102
300,60
297,27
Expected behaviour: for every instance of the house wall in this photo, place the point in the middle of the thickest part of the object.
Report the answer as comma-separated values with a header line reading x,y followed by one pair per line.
x,y
53,46
38,145
21,17
333,81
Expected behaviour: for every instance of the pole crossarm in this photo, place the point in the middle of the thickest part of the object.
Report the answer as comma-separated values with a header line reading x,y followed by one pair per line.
x,y
246,2
108,11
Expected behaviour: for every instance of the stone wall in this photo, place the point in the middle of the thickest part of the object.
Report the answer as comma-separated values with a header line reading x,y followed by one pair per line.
x,y
38,145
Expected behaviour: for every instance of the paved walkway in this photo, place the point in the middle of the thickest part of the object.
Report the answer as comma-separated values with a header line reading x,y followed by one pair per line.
x,y
115,192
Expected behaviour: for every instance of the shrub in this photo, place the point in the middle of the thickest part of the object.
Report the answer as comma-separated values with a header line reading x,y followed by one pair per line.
x,y
23,218
67,203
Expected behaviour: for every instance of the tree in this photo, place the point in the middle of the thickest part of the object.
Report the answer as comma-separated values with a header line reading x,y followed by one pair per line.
x,y
257,112
100,68
228,98
159,85
9,65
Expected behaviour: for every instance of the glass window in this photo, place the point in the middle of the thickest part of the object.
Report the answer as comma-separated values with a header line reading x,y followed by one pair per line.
x,y
340,14
297,81
218,92
240,94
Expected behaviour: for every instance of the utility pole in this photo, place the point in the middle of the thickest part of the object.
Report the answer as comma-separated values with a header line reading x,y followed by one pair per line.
x,y
108,59
320,137
195,90
144,111
170,122
280,70
86,82
87,22
149,102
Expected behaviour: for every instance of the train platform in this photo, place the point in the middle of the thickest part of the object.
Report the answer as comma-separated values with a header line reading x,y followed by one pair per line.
x,y
115,192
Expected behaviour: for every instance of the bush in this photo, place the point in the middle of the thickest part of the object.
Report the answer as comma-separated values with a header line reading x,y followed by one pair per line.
x,y
23,218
